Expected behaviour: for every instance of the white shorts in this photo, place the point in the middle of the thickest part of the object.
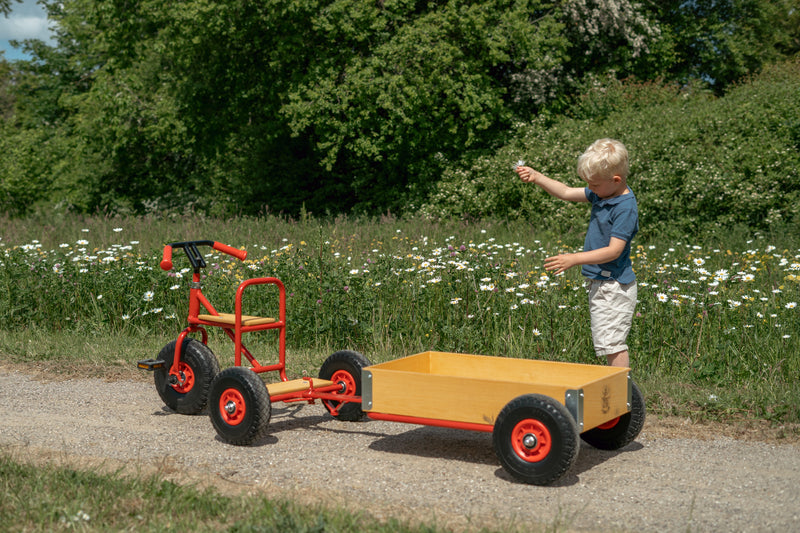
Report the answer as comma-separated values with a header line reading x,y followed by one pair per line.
x,y
611,307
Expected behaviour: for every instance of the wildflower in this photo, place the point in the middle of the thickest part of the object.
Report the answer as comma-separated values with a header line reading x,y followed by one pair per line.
x,y
117,230
662,297
126,317
175,287
455,301
148,296
791,305
536,332
748,277
99,296
699,261
488,287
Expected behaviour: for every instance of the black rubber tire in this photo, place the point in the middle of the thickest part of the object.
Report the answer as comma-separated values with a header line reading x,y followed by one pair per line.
x,y
536,439
244,390
203,366
626,429
345,367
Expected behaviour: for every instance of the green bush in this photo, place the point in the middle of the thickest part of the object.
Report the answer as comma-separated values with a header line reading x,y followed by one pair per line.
x,y
696,161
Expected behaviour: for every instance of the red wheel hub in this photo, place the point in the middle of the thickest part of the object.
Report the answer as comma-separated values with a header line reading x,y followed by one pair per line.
x,y
346,379
232,407
610,424
531,440
186,376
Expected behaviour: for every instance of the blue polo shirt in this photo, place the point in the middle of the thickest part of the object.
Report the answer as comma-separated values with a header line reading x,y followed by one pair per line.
x,y
611,217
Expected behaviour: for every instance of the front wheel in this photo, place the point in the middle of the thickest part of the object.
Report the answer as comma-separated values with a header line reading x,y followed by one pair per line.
x,y
621,431
239,406
198,366
344,367
536,439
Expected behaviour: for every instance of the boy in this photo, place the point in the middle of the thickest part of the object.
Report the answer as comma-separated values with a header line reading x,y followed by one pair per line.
x,y
606,257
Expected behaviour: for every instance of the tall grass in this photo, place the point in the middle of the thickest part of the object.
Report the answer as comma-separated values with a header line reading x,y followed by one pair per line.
x,y
717,312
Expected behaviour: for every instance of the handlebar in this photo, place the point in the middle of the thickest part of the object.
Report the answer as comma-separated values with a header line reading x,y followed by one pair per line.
x,y
194,255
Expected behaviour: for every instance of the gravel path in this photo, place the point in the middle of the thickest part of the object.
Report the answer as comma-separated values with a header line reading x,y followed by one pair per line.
x,y
437,476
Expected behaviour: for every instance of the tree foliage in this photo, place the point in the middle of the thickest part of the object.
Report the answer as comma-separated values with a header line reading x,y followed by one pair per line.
x,y
697,161
330,105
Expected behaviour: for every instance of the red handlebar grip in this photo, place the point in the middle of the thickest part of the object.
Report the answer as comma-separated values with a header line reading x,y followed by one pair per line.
x,y
166,261
230,250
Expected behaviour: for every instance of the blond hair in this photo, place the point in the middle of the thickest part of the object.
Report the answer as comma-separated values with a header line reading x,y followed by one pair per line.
x,y
604,159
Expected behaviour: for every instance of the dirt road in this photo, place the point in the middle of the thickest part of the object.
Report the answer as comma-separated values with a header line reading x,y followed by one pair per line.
x,y
670,479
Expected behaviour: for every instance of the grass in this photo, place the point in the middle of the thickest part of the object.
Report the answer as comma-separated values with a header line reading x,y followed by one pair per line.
x,y
51,498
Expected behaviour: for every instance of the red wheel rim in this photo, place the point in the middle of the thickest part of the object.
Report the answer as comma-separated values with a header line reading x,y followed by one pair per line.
x,y
232,407
610,424
186,372
346,378
531,440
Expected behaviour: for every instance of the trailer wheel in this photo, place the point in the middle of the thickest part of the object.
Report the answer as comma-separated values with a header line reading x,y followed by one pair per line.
x,y
620,432
239,406
344,367
198,367
536,439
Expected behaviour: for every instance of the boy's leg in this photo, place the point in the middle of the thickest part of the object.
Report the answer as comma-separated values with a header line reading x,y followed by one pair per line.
x,y
619,359
611,307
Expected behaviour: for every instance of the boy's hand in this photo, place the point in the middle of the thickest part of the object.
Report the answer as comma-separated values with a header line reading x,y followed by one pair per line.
x,y
526,174
560,262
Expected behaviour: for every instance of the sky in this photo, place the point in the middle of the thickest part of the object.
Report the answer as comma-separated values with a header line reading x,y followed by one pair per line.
x,y
27,20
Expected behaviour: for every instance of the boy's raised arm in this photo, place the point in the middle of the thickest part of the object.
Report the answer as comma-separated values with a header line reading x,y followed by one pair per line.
x,y
551,186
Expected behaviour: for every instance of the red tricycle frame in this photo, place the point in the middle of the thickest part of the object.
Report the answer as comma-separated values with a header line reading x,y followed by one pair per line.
x,y
181,376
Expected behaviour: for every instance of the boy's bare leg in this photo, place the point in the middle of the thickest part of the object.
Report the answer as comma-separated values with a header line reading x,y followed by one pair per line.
x,y
619,359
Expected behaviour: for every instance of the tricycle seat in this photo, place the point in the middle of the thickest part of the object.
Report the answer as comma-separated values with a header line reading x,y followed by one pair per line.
x,y
229,319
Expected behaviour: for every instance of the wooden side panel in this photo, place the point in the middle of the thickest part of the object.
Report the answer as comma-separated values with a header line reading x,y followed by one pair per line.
x,y
474,388
604,400
451,398
571,375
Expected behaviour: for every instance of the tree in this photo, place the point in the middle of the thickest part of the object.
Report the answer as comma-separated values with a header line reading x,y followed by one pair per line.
x,y
720,41
5,6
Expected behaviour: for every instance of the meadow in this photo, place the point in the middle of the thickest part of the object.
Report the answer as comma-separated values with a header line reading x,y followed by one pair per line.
x,y
715,335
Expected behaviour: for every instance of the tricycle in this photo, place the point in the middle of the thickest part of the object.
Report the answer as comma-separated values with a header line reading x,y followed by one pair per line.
x,y
537,411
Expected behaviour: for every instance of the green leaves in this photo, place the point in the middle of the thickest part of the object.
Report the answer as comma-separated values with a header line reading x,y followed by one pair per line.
x,y
337,105
697,161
